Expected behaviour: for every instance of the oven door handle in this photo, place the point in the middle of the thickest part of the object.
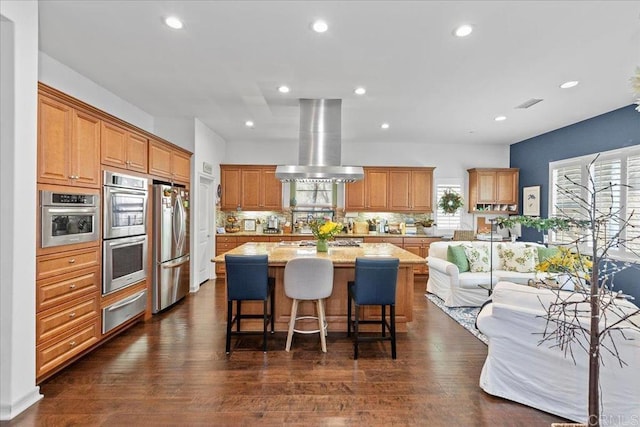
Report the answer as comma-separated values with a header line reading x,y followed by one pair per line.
x,y
131,192
125,302
72,211
176,264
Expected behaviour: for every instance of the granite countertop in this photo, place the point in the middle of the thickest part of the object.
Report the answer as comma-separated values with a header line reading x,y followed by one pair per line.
x,y
280,253
338,236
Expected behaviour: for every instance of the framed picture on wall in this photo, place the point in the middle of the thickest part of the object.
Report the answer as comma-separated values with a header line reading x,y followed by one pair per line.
x,y
531,200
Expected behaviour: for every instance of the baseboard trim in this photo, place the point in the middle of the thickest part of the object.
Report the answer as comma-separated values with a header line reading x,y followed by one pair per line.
x,y
10,411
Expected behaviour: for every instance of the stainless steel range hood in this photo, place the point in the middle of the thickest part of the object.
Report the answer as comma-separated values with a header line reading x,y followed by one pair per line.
x,y
319,149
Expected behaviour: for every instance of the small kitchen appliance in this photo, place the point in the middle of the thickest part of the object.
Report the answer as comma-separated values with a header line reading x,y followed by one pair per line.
x,y
273,224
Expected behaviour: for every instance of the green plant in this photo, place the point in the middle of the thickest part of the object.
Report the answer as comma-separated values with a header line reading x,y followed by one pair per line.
x,y
324,230
450,202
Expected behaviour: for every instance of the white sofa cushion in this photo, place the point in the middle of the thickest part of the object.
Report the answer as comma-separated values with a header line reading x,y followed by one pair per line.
x,y
522,259
478,257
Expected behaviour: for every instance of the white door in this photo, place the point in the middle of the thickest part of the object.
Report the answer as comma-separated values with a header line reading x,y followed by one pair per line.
x,y
205,233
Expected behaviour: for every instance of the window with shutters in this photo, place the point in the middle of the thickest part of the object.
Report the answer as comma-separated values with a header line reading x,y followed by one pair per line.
x,y
443,220
621,169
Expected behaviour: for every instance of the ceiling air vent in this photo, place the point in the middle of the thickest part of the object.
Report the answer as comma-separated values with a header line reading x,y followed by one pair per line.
x,y
529,103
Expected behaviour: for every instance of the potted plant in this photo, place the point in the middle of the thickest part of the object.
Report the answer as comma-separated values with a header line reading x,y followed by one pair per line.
x,y
593,232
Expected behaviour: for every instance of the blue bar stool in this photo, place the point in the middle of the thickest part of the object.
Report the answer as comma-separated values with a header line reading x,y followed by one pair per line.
x,y
308,279
374,284
248,280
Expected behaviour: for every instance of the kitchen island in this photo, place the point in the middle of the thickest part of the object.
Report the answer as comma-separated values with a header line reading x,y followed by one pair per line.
x,y
343,259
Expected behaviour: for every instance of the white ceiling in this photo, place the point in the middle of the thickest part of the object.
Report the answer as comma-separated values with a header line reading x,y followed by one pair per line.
x,y
224,67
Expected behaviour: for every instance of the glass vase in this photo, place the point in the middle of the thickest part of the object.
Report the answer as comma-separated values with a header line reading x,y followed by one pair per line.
x,y
322,245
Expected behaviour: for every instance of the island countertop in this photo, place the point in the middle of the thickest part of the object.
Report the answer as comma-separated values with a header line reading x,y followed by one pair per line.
x,y
344,259
280,253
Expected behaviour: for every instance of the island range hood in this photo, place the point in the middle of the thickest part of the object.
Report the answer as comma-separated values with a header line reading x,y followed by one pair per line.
x,y
319,148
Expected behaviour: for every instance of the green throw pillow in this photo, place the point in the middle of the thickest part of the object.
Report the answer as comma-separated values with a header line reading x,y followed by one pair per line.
x,y
545,253
456,255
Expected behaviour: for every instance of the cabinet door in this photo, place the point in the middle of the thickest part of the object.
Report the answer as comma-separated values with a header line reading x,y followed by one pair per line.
x,y
230,182
113,145
85,150
136,154
421,190
486,187
400,190
415,248
159,159
181,166
354,196
507,187
376,191
272,189
250,189
54,137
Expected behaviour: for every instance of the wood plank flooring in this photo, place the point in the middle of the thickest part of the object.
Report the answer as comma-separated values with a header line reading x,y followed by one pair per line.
x,y
172,370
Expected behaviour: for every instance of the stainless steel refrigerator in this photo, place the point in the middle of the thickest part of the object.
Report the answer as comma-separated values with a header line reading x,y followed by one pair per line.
x,y
170,245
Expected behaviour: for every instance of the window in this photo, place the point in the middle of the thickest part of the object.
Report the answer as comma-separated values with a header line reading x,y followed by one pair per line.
x,y
312,194
447,221
618,167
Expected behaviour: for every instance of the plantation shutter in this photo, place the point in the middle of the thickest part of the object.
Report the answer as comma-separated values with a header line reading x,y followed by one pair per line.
x,y
633,203
566,180
607,176
443,220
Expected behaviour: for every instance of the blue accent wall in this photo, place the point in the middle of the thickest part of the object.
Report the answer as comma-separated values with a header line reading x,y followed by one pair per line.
x,y
617,129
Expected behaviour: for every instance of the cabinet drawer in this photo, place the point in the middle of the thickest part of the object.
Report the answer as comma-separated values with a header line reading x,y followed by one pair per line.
x,y
393,240
247,239
60,289
57,321
120,312
225,247
71,344
226,239
66,262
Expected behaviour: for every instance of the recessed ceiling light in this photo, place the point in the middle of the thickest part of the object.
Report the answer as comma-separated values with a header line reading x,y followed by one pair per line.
x,y
360,91
567,85
385,126
320,26
500,118
173,22
249,124
463,30
284,89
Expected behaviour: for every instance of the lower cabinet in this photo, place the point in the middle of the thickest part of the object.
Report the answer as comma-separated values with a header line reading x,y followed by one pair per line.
x,y
419,246
224,243
123,310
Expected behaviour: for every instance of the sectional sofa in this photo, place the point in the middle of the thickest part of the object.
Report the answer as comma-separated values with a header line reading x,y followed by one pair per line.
x,y
460,273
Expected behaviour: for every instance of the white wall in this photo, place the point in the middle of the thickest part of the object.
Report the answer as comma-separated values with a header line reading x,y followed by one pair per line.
x,y
67,80
179,131
19,76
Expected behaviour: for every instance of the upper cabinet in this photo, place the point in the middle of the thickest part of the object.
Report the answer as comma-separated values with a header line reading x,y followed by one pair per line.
x,y
68,145
493,190
392,189
168,162
250,187
123,148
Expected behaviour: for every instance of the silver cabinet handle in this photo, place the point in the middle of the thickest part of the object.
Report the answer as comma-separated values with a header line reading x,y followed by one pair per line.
x,y
72,286
72,315
124,303
72,260
72,343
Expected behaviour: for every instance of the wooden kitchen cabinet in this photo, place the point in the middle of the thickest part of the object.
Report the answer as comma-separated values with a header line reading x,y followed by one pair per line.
x,y
410,190
168,162
122,148
68,316
493,190
419,246
224,243
68,144
250,187
391,189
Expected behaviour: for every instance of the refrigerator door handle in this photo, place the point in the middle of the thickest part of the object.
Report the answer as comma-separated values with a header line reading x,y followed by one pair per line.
x,y
176,264
179,222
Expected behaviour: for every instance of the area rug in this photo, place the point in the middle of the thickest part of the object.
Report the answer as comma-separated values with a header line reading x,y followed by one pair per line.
x,y
465,316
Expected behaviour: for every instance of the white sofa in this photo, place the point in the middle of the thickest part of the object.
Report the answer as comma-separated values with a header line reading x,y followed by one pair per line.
x,y
463,289
520,369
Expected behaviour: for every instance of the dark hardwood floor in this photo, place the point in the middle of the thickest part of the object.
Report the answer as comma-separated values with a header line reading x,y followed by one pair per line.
x,y
172,370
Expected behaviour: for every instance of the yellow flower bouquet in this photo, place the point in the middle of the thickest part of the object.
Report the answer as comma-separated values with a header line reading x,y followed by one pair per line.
x,y
324,230
569,267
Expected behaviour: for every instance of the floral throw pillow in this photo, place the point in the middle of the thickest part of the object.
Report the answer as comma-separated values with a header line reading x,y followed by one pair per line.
x,y
478,257
522,260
